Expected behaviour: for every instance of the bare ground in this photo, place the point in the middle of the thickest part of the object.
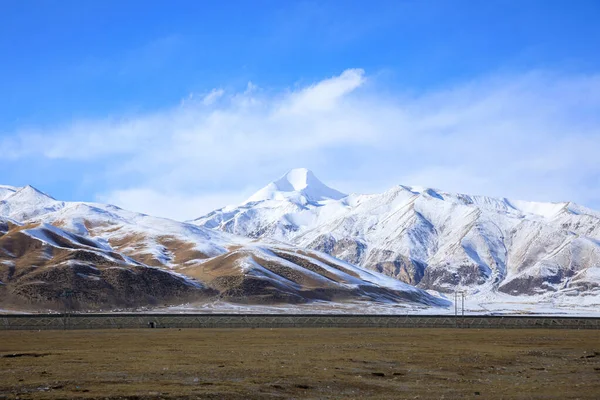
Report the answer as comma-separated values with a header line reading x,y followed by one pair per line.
x,y
301,363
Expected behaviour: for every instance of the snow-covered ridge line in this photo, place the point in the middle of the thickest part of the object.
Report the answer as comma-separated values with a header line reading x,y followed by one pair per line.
x,y
428,237
111,256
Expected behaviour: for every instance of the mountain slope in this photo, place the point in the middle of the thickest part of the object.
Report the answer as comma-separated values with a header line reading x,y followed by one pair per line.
x,y
434,239
42,266
109,257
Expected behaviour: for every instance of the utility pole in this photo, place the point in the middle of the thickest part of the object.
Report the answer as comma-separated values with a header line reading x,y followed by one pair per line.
x,y
67,295
455,303
457,282
455,309
462,309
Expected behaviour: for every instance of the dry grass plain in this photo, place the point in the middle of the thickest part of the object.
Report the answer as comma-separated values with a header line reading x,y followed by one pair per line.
x,y
300,363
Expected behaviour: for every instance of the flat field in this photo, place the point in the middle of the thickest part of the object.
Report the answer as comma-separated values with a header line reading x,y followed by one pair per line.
x,y
301,363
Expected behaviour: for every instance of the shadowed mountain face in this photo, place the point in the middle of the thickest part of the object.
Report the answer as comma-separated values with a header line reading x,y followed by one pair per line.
x,y
89,256
429,238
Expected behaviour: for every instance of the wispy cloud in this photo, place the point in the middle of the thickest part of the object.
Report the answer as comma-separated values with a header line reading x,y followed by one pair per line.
x,y
212,96
532,136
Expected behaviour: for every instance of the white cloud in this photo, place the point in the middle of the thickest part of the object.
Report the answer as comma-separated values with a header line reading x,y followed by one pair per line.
x,y
324,96
212,96
532,136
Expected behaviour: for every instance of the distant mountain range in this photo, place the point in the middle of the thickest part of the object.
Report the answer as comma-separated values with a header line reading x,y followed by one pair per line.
x,y
298,241
87,256
429,238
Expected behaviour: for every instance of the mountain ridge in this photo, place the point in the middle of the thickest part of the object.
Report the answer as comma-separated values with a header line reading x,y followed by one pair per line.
x,y
108,257
435,239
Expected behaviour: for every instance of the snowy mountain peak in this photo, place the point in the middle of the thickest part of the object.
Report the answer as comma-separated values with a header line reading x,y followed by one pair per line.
x,y
297,184
31,194
28,202
297,179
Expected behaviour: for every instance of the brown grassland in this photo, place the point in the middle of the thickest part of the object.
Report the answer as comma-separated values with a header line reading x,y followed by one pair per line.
x,y
300,363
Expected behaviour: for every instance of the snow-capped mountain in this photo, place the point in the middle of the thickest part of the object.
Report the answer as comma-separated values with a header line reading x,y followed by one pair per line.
x,y
300,186
429,238
109,257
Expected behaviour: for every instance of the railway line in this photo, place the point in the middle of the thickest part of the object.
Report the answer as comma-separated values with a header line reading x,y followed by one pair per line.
x,y
158,321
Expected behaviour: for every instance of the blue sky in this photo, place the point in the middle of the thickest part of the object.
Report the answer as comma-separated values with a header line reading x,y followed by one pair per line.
x,y
177,108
